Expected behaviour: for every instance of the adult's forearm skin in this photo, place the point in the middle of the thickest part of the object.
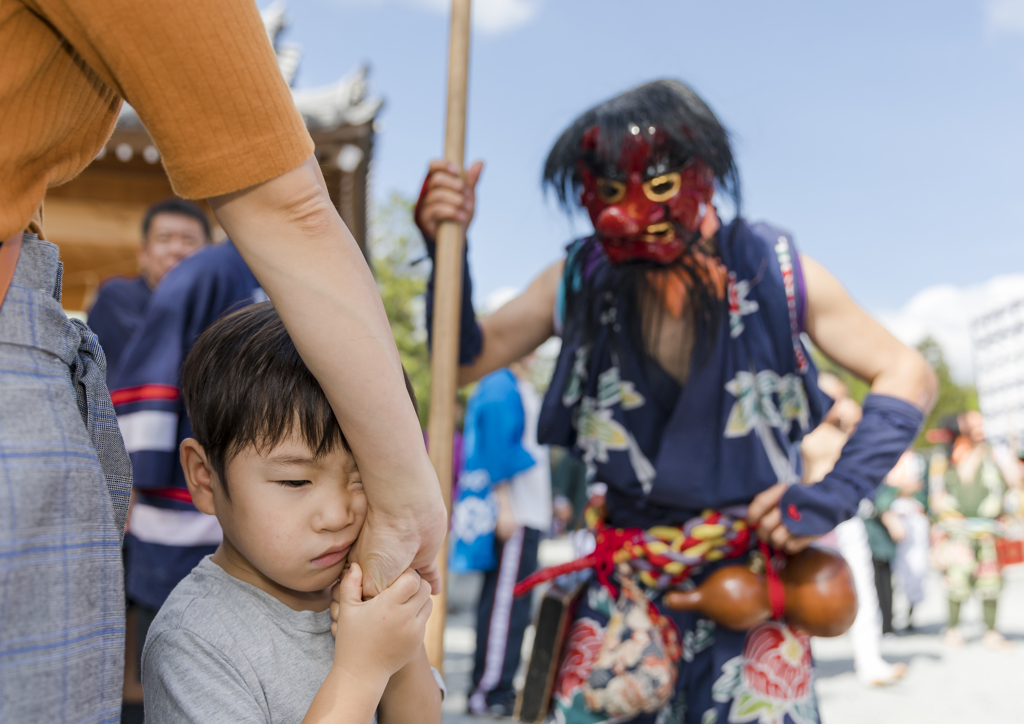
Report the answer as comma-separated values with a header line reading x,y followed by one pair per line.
x,y
296,244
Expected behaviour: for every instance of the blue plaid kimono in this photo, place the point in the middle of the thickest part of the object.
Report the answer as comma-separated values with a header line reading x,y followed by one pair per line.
x,y
64,484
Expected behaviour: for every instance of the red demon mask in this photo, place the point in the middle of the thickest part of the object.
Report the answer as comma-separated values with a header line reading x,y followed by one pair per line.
x,y
642,210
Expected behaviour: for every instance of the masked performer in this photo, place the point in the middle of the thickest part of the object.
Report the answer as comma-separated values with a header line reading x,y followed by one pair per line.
x,y
684,384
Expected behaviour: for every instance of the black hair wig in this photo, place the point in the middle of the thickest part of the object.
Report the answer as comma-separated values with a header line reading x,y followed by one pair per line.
x,y
687,130
690,131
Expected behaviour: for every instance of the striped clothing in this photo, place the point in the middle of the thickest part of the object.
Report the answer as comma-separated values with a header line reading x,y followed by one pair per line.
x,y
167,536
64,484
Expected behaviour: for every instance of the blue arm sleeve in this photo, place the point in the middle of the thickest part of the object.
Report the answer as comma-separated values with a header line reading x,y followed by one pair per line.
x,y
471,338
885,432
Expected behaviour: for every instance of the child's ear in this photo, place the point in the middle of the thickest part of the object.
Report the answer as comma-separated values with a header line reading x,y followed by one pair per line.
x,y
198,474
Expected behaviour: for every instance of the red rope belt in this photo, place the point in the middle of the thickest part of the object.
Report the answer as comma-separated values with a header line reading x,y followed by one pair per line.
x,y
662,556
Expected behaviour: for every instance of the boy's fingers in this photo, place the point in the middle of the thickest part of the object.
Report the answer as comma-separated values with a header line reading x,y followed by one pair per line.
x,y
404,588
432,575
350,589
424,611
424,591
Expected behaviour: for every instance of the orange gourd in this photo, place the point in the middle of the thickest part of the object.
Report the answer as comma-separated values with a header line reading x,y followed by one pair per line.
x,y
820,596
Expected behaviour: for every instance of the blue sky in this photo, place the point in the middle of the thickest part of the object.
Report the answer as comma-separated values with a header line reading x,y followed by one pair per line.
x,y
886,135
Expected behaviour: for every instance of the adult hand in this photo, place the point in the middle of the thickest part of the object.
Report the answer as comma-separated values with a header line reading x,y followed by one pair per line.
x,y
391,542
381,634
447,196
764,514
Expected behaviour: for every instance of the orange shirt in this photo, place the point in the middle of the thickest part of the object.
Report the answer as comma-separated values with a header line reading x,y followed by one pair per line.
x,y
201,74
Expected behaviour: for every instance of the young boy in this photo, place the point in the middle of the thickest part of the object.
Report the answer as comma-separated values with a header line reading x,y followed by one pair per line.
x,y
247,636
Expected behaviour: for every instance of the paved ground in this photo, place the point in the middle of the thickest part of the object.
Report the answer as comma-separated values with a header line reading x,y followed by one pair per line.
x,y
942,686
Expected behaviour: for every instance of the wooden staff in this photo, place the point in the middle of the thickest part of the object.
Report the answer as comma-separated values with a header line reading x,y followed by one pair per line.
x,y
444,363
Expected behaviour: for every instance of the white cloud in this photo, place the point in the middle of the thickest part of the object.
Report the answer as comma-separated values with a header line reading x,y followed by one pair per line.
x,y
945,312
1005,16
489,16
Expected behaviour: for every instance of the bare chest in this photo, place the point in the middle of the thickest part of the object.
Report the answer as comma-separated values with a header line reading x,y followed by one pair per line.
x,y
668,339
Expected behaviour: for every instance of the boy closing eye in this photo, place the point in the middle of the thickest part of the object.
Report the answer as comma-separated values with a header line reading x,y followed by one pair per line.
x,y
247,636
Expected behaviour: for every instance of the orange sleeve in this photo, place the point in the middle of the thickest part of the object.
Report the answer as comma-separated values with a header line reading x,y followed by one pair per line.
x,y
202,76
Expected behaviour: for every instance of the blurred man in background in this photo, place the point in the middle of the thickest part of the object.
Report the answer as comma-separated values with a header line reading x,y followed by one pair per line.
x,y
171,230
166,535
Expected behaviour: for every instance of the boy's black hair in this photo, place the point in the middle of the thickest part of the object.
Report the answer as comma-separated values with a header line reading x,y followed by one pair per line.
x,y
244,384
174,205
691,132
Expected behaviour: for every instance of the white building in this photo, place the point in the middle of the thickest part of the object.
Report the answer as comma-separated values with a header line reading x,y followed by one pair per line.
x,y
998,340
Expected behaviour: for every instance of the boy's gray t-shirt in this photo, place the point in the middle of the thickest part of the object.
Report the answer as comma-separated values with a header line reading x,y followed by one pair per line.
x,y
221,650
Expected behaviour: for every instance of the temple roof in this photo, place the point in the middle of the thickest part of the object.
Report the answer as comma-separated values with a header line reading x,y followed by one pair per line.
x,y
325,108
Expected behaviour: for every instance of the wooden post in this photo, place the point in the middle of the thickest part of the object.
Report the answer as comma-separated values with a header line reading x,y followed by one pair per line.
x,y
444,363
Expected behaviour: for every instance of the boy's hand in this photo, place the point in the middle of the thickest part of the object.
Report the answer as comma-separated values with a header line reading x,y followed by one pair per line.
x,y
447,196
379,636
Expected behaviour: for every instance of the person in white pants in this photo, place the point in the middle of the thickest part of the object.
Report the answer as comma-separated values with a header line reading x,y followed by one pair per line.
x,y
910,567
819,450
866,632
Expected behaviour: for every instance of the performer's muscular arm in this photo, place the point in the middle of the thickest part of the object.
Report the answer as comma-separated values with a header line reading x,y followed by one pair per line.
x,y
521,325
852,338
518,327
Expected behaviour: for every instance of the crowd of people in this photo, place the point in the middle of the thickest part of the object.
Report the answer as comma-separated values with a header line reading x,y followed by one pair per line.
x,y
231,444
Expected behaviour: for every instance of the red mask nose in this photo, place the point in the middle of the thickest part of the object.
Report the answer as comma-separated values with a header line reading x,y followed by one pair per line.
x,y
614,223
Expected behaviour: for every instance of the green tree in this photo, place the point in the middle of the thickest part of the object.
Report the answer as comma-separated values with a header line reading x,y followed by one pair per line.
x,y
395,248
953,397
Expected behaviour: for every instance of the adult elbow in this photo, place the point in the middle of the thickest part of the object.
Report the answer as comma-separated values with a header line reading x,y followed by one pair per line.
x,y
926,383
308,210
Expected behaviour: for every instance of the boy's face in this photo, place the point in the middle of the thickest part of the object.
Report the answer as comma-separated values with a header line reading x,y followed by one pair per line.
x,y
293,518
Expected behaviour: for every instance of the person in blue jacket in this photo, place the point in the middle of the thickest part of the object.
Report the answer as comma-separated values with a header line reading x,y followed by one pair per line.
x,y
684,383
505,464
171,230
166,535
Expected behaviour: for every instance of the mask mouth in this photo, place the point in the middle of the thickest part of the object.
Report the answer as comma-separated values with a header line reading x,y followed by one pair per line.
x,y
663,231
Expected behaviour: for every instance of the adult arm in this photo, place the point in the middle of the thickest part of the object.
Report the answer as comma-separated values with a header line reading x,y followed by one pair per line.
x,y
293,240
903,389
204,79
518,327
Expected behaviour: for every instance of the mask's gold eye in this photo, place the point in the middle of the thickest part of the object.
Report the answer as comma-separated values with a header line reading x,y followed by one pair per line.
x,y
662,188
610,191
